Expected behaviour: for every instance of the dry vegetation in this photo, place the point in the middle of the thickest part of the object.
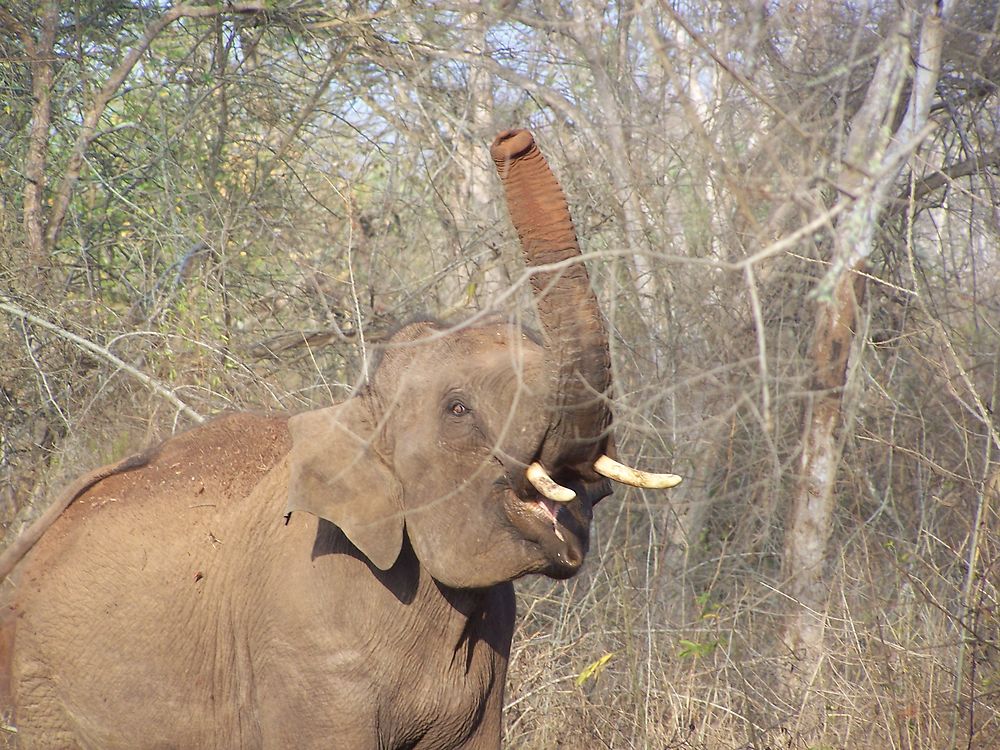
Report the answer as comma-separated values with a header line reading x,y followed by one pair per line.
x,y
234,216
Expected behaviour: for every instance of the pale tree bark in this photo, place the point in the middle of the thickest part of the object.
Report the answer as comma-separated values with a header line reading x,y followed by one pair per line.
x,y
476,207
40,54
873,159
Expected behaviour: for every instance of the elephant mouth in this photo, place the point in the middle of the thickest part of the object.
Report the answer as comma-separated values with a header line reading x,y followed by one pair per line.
x,y
552,509
560,530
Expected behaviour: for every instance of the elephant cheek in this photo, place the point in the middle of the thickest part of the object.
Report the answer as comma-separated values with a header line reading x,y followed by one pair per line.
x,y
465,549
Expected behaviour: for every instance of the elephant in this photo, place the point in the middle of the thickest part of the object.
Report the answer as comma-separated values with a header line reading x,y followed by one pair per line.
x,y
341,577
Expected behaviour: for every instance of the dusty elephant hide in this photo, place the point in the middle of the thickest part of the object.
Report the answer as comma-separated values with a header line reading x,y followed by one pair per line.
x,y
297,644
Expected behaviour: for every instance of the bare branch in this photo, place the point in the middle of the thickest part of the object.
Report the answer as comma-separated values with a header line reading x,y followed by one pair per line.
x,y
977,164
741,79
559,104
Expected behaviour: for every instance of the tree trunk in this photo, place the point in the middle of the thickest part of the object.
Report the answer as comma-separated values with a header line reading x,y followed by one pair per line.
x,y
41,58
874,157
813,504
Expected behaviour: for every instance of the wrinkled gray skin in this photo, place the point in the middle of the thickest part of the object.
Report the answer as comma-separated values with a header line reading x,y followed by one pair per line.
x,y
171,605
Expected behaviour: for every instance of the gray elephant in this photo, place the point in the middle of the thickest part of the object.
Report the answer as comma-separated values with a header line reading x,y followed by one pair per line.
x,y
340,578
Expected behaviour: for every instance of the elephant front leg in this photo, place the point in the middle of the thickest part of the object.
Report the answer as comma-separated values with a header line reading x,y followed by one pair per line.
x,y
488,734
479,729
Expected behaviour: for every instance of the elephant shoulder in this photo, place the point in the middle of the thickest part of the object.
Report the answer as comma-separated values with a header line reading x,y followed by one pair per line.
x,y
225,457
231,453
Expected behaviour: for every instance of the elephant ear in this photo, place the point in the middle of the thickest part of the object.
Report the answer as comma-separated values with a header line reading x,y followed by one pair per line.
x,y
337,474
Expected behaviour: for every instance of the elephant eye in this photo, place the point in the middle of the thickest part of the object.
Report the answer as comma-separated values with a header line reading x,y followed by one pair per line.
x,y
458,408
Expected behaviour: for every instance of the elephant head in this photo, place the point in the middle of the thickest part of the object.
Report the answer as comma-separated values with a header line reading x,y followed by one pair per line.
x,y
483,446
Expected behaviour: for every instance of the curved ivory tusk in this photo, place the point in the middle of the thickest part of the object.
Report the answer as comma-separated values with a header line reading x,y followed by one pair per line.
x,y
547,486
611,469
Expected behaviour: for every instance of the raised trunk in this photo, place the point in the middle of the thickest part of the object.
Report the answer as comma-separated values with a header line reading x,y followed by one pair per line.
x,y
576,341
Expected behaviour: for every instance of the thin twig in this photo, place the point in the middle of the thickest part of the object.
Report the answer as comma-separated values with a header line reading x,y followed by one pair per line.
x,y
758,320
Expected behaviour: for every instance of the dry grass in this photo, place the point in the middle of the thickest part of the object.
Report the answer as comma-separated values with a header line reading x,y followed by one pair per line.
x,y
695,663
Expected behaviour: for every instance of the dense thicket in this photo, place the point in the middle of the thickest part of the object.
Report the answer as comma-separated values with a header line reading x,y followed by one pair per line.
x,y
790,213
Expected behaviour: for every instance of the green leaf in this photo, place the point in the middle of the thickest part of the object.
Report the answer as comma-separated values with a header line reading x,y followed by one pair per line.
x,y
594,669
695,649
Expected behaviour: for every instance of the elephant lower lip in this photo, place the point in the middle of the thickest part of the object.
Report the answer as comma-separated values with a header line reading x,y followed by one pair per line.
x,y
559,530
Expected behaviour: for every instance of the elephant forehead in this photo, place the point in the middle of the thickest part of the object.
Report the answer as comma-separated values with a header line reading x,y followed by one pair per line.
x,y
489,339
416,343
497,378
470,355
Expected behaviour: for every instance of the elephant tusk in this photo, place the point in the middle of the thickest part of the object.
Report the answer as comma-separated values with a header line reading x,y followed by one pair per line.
x,y
547,486
608,467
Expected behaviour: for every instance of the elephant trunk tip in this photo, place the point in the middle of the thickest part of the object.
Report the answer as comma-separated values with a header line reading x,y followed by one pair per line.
x,y
511,145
